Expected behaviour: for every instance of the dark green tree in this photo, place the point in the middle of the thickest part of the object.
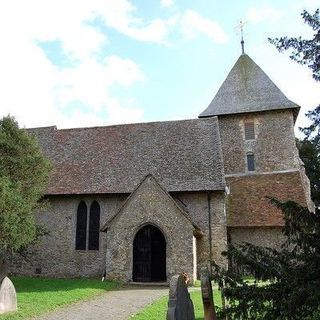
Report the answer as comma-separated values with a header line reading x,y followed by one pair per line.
x,y
24,173
304,51
310,155
290,287
287,282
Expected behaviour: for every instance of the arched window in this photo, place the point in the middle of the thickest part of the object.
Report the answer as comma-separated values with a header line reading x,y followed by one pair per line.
x,y
94,226
251,164
81,231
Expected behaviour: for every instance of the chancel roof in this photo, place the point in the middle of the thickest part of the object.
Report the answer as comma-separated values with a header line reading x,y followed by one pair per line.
x,y
247,89
182,155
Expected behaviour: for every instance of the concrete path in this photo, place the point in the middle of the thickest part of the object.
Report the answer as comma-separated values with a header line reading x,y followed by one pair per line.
x,y
113,305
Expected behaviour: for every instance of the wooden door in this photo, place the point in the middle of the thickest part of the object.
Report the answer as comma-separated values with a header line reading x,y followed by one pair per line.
x,y
142,256
149,255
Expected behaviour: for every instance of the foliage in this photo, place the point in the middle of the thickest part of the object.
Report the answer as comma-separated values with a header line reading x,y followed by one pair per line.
x,y
304,51
291,276
310,155
24,175
37,296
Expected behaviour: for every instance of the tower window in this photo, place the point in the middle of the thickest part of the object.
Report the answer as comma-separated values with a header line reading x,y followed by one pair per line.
x,y
249,130
251,165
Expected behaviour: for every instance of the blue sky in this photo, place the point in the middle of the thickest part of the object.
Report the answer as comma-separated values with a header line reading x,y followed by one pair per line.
x,y
83,63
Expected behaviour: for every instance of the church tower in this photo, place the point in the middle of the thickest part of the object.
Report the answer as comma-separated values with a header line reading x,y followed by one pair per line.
x,y
256,123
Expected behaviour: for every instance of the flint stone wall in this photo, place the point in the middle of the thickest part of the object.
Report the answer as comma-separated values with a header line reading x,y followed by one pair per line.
x,y
149,205
55,255
198,209
267,237
274,147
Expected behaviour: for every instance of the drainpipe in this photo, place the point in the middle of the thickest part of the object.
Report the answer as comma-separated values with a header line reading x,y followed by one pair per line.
x,y
210,233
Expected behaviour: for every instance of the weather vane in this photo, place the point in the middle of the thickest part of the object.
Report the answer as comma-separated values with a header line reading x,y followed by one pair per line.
x,y
240,27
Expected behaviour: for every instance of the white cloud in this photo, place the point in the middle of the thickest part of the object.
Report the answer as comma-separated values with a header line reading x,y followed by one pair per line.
x,y
264,13
53,20
166,3
157,31
39,92
309,5
192,24
89,82
120,15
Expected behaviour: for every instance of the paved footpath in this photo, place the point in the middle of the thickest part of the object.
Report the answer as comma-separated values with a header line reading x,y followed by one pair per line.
x,y
112,305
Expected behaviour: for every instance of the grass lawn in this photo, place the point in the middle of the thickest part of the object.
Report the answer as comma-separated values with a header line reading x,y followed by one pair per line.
x,y
158,309
37,296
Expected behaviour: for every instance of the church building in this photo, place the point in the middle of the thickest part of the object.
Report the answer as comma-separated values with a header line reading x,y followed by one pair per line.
x,y
141,202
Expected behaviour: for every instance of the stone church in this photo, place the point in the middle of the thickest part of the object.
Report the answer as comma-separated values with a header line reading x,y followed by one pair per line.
x,y
141,202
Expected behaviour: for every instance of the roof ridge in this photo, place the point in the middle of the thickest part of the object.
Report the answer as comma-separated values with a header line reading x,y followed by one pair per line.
x,y
54,127
118,125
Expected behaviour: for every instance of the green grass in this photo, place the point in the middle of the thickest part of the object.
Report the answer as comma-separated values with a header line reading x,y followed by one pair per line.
x,y
37,296
158,309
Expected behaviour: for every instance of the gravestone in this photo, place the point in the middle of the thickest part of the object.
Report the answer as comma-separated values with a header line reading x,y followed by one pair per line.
x,y
180,306
8,297
207,297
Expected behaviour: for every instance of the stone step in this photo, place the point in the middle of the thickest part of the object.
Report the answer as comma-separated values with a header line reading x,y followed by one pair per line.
x,y
149,284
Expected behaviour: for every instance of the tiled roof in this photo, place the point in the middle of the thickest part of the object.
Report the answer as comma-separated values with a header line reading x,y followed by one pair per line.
x,y
247,89
182,156
248,205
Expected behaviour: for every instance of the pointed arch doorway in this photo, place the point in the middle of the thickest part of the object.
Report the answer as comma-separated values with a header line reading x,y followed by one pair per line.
x,y
149,255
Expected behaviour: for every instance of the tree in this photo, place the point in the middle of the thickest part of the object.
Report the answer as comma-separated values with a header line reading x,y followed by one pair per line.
x,y
304,51
291,288
310,155
24,173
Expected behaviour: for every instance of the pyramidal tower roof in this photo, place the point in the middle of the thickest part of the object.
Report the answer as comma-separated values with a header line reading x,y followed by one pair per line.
x,y
247,89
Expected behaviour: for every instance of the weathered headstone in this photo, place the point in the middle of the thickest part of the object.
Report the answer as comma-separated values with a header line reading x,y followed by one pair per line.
x,y
207,297
8,297
180,306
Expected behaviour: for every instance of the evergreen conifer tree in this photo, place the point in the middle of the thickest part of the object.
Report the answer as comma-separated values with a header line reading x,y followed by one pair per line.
x,y
24,173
